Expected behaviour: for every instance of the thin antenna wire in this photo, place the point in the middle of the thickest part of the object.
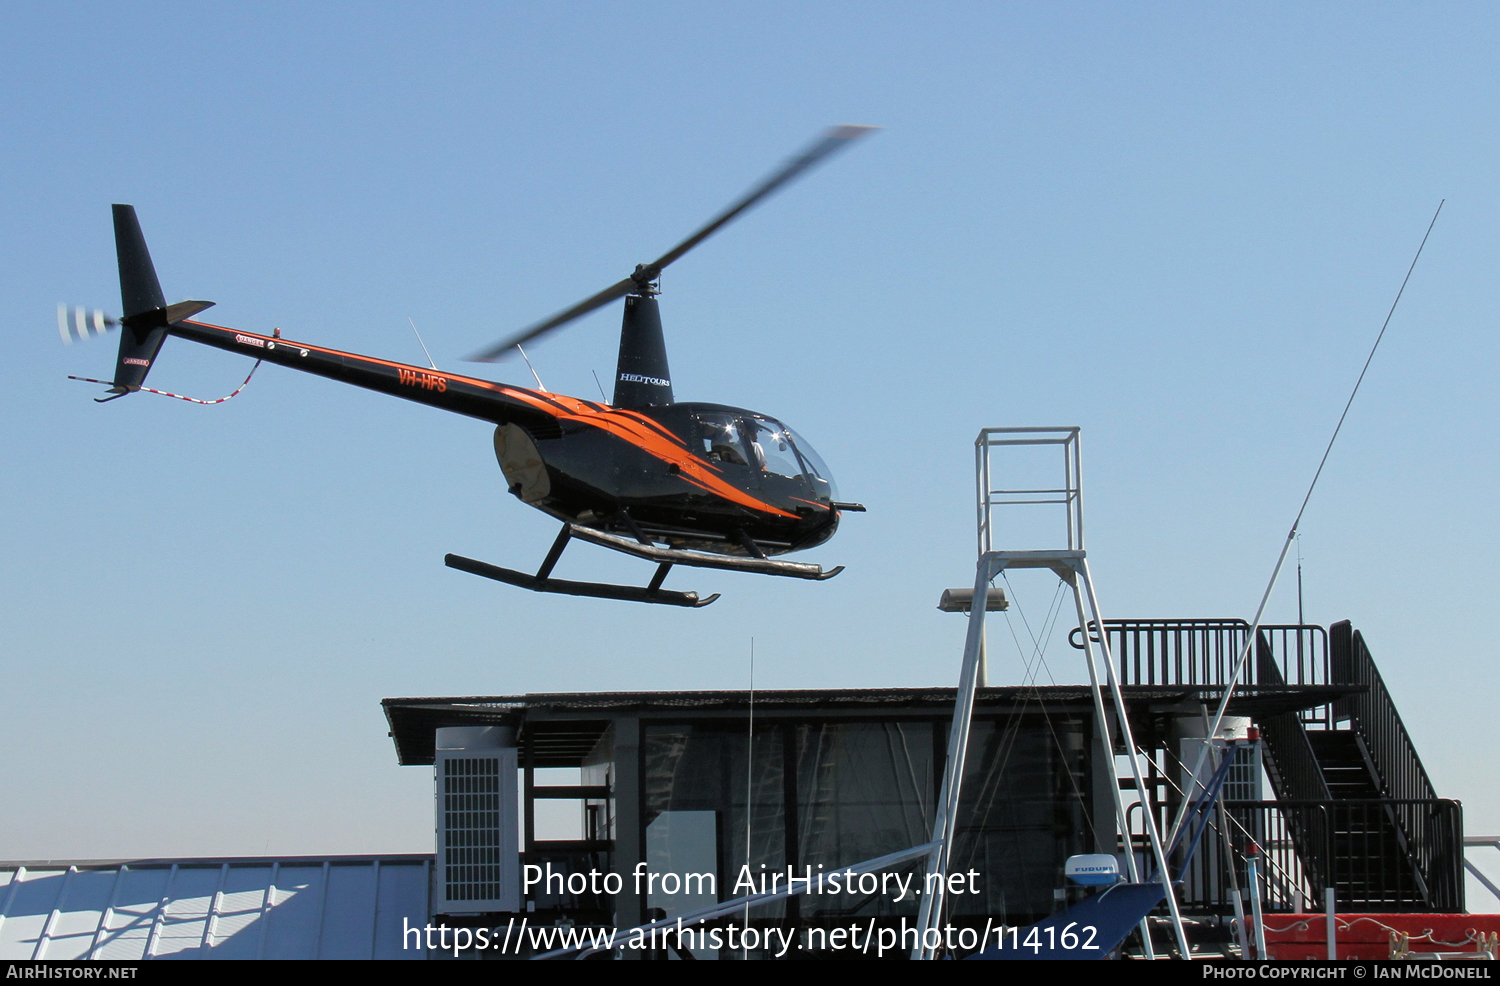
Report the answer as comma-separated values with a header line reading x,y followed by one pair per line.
x,y
1291,536
420,342
1300,620
749,784
1347,404
539,385
600,386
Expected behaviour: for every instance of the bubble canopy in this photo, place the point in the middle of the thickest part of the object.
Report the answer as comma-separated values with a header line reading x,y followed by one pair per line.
x,y
816,468
734,437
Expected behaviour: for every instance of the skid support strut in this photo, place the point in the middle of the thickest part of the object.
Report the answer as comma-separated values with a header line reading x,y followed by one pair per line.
x,y
543,582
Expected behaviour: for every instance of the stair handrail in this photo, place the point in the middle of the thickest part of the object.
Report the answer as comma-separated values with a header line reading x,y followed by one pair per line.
x,y
1363,881
1295,775
1392,756
1372,713
1293,764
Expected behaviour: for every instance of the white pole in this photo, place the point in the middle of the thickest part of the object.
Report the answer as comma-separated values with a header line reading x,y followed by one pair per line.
x,y
1109,753
1252,877
1239,923
1234,883
1135,764
930,915
749,780
1332,925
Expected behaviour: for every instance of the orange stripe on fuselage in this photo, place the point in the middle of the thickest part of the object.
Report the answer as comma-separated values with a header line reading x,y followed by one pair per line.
x,y
630,426
633,428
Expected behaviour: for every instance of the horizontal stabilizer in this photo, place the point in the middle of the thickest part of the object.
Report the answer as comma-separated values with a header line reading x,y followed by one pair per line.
x,y
185,309
79,323
147,313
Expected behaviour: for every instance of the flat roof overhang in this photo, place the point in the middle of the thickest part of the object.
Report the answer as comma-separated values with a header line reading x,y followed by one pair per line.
x,y
565,727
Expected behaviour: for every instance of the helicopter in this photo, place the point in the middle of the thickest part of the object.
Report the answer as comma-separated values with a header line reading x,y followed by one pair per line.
x,y
694,484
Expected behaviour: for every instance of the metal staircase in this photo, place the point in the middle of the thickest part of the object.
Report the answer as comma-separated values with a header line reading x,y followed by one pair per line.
x,y
1354,807
1371,840
1345,765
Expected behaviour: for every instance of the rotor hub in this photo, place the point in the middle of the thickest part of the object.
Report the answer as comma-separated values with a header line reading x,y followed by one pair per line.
x,y
647,281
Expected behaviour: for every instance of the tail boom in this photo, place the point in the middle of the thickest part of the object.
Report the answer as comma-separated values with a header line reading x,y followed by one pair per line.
x,y
483,399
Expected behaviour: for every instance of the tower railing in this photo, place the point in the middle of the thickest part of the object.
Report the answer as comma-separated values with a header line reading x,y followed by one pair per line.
x,y
1069,495
1203,652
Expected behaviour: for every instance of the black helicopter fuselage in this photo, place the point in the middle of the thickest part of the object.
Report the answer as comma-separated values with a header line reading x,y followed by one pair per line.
x,y
701,476
721,487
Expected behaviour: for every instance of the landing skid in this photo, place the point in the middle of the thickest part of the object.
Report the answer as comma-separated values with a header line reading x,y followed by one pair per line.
x,y
665,558
703,559
599,590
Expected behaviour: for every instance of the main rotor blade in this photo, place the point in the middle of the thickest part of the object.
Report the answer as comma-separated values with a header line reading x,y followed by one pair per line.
x,y
604,297
831,141
835,139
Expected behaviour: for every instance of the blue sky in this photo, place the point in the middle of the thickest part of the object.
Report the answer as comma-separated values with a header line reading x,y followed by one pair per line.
x,y
1177,226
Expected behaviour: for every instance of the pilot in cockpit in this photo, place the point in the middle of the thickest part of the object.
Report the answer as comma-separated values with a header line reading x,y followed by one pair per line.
x,y
721,442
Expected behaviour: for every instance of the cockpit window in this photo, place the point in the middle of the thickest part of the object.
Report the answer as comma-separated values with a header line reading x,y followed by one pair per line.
x,y
773,450
765,445
720,438
818,473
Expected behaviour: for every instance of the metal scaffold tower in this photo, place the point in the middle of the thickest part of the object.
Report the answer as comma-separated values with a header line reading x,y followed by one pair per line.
x,y
1070,563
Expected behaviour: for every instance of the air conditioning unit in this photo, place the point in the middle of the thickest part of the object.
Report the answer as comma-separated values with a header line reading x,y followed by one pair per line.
x,y
478,821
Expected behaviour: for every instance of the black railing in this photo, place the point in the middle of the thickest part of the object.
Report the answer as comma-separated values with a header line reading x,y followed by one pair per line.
x,y
1353,846
1295,776
1203,652
1174,652
1402,851
1372,714
1292,764
1288,873
1299,651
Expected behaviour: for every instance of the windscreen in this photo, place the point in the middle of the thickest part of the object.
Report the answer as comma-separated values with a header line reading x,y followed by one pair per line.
x,y
815,469
773,449
763,444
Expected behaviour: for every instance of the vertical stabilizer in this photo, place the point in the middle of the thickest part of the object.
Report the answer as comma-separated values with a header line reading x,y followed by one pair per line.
x,y
642,378
144,325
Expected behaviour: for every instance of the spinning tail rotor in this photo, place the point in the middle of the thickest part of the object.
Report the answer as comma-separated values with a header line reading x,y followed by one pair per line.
x,y
81,322
146,314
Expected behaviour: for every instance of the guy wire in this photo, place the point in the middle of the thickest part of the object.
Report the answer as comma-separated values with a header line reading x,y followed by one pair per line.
x,y
1291,536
